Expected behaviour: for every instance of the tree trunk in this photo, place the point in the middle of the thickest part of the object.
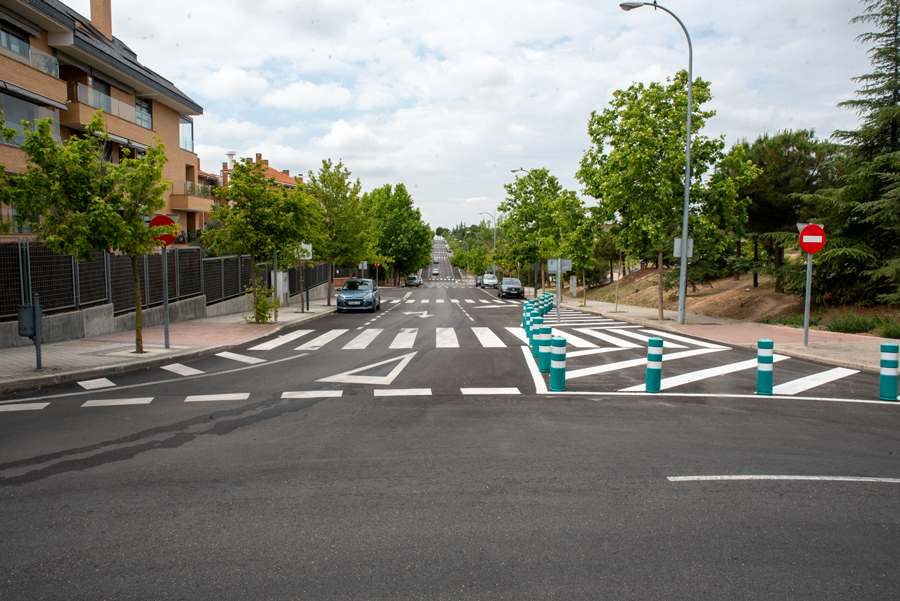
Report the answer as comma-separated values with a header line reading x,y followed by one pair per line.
x,y
584,283
779,259
330,278
755,259
659,282
255,291
737,271
138,317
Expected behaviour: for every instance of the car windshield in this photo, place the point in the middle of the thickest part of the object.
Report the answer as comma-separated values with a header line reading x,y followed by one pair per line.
x,y
511,282
357,285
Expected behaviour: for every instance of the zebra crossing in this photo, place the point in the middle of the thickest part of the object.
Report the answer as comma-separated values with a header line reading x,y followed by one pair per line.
x,y
440,301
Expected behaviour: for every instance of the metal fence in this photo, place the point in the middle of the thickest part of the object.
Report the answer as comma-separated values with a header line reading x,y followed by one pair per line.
x,y
28,267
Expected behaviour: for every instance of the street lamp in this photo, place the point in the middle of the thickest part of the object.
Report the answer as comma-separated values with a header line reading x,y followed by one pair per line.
x,y
682,283
493,255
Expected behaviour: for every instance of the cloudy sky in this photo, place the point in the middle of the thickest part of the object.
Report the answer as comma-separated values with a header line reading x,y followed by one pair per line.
x,y
448,97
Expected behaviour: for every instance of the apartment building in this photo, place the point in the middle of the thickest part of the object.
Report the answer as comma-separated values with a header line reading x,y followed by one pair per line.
x,y
56,63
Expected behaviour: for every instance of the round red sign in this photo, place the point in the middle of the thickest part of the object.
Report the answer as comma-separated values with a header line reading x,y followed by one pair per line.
x,y
161,220
812,238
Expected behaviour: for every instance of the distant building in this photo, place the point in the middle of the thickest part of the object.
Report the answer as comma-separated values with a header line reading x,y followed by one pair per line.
x,y
56,63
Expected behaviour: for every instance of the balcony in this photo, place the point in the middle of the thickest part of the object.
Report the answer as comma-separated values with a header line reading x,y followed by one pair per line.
x,y
191,197
36,59
78,92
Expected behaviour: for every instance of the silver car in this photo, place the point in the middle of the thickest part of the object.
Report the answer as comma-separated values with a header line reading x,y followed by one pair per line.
x,y
489,281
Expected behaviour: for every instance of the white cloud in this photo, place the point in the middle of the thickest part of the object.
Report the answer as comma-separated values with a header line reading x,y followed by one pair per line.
x,y
230,84
307,96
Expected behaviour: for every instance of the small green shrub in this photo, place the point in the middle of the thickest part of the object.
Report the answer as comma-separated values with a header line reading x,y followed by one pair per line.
x,y
890,328
264,305
850,323
794,321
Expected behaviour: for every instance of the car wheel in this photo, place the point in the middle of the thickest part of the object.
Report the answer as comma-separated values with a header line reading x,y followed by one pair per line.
x,y
340,311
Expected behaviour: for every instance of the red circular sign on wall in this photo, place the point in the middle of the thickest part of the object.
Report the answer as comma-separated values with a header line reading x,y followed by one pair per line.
x,y
812,239
161,220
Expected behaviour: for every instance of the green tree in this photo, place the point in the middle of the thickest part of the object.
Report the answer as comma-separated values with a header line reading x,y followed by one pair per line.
x,y
400,233
258,217
347,237
639,183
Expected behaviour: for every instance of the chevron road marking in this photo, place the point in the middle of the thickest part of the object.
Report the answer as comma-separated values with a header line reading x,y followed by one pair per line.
x,y
703,374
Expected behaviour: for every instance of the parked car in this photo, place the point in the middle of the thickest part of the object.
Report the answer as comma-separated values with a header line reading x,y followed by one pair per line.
x,y
511,287
358,295
478,281
489,280
413,280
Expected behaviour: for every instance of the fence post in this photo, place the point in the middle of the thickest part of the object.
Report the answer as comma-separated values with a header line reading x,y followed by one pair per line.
x,y
558,364
887,389
765,358
654,364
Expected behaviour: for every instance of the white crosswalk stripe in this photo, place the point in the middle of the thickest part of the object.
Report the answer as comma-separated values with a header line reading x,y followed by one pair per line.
x,y
487,338
397,300
446,338
703,374
181,370
319,342
803,384
642,337
608,338
239,357
405,339
363,340
96,384
276,342
118,402
470,301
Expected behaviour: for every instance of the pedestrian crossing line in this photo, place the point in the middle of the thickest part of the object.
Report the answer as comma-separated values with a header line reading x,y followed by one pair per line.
x,y
573,339
241,358
500,302
395,301
519,333
276,342
118,402
470,301
703,374
23,407
312,394
317,343
233,396
593,351
402,392
363,340
803,384
410,302
96,384
481,300
181,370
607,338
425,301
600,369
643,338
472,391
446,338
439,301
453,300
487,338
693,341
405,339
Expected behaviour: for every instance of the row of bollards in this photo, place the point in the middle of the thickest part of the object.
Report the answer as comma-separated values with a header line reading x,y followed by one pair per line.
x,y
549,350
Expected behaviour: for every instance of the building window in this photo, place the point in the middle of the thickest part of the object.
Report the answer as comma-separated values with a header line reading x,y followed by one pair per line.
x,y
143,112
186,131
14,40
102,95
15,110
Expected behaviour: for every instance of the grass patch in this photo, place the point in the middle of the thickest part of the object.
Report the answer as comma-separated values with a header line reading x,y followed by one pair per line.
x,y
794,321
890,328
850,323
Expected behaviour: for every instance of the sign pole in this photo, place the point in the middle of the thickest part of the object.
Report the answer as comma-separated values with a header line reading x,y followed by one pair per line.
x,y
809,263
812,240
165,267
558,281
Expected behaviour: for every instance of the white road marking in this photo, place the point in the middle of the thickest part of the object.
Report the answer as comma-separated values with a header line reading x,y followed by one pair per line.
x,y
487,338
95,384
181,370
116,402
241,358
693,341
23,407
350,377
594,351
599,369
312,394
397,300
539,386
235,396
703,374
453,300
573,339
607,338
403,392
795,478
471,391
276,342
446,338
405,339
363,340
320,341
804,384
481,300
519,333
410,302
636,336
470,301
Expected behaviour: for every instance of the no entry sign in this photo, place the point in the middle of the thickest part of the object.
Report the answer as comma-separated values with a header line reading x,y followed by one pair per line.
x,y
812,238
161,220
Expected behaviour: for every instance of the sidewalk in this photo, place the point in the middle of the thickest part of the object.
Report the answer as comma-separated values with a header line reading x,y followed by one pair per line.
x,y
101,356
843,350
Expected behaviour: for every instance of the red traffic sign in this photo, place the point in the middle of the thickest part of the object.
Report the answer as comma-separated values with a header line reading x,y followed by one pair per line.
x,y
161,220
812,238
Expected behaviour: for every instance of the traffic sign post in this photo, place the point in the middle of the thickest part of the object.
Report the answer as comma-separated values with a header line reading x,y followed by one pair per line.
x,y
166,240
812,240
559,267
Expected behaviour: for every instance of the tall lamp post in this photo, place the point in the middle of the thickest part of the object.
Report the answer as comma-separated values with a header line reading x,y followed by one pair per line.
x,y
682,282
493,264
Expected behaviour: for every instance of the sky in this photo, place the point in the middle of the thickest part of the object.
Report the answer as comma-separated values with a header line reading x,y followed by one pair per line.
x,y
449,97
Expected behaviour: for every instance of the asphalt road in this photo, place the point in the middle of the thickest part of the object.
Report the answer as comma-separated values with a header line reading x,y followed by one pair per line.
x,y
470,483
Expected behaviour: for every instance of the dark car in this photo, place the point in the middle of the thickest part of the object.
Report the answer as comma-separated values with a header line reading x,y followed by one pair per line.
x,y
479,281
358,295
511,287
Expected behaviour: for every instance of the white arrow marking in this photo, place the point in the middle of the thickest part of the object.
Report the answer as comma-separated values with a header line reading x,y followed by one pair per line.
x,y
422,314
349,377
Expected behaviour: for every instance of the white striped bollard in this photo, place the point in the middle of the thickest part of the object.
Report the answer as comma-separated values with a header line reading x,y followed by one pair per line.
x,y
526,309
529,329
544,350
887,382
536,324
558,364
764,357
654,364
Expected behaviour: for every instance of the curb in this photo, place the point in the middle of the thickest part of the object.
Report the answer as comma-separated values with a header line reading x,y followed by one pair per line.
x,y
29,382
796,354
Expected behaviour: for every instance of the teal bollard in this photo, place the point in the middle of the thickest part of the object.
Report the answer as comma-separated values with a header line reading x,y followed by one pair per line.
x,y
544,350
887,382
536,326
526,309
558,364
654,364
765,359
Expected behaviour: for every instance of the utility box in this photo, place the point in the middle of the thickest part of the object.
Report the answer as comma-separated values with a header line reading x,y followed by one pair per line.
x,y
282,287
573,285
26,321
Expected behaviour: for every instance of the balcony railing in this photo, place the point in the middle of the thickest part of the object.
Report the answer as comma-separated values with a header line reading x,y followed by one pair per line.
x,y
44,62
85,95
202,190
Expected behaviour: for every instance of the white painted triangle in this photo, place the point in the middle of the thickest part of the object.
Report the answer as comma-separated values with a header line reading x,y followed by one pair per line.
x,y
350,377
